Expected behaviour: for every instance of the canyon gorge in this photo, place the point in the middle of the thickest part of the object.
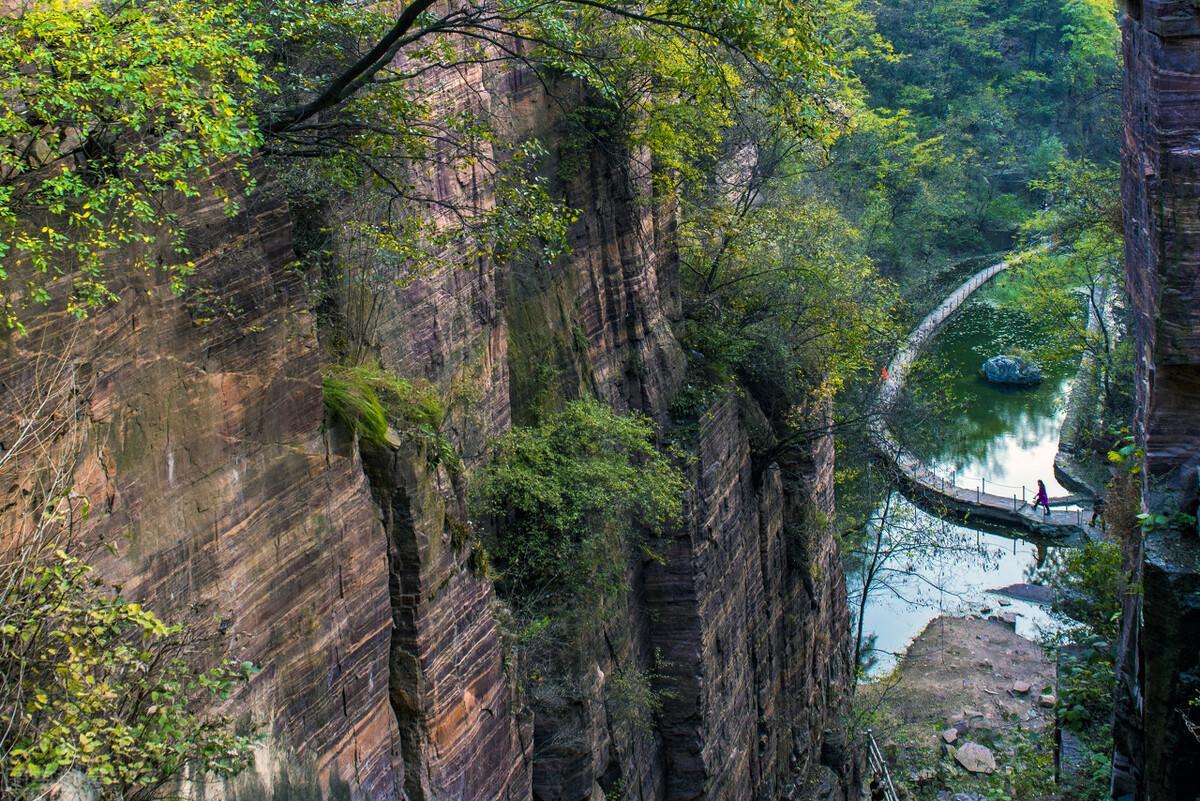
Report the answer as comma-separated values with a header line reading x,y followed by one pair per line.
x,y
222,492
214,486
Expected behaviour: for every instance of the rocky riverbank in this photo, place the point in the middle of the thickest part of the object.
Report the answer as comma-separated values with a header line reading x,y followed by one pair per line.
x,y
968,710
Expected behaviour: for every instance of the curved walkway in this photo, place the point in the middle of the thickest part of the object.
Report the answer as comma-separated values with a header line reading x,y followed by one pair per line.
x,y
1010,510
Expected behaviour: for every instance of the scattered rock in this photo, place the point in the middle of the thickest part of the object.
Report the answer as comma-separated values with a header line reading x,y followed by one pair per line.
x,y
1047,700
925,775
976,758
74,786
986,610
1012,370
1004,602
1034,593
950,734
1021,687
947,795
1007,618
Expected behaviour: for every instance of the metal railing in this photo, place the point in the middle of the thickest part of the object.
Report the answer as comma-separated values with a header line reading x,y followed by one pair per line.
x,y
879,768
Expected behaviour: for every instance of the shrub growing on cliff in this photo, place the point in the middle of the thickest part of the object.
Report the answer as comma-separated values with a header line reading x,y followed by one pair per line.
x,y
97,684
367,398
568,501
779,297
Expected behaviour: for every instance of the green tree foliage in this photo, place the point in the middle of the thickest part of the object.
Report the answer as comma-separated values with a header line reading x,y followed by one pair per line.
x,y
569,501
95,683
1071,287
780,298
568,506
981,98
115,113
1090,582
682,77
109,112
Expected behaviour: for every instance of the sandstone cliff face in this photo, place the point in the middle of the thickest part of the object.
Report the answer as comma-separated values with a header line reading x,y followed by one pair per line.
x,y
347,578
200,447
750,614
1160,661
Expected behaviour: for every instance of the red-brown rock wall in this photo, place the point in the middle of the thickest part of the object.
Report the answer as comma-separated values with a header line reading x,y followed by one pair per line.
x,y
1158,655
747,639
347,578
752,627
202,453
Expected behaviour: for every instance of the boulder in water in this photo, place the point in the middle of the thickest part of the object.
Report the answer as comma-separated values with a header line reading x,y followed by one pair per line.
x,y
1012,370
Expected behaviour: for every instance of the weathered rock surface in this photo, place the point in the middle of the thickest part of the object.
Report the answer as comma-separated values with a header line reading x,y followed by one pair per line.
x,y
462,732
975,758
1012,370
745,631
200,447
750,635
1159,665
342,576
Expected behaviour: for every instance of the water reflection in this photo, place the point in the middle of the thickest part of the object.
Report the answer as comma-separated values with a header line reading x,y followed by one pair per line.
x,y
1008,437
923,580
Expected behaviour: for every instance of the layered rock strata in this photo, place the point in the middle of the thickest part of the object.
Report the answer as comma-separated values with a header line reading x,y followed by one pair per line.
x,y
198,440
348,579
1159,658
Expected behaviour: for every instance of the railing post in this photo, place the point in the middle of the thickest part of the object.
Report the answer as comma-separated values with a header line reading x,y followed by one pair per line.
x,y
983,481
1014,501
1022,493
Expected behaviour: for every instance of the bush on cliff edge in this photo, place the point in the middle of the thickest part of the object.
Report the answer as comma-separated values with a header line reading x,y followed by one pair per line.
x,y
96,688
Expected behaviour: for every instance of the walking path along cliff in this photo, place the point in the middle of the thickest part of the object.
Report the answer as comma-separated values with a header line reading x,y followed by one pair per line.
x,y
974,501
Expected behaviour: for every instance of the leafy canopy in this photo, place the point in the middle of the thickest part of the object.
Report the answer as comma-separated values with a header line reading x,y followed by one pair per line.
x,y
681,75
96,683
980,98
782,298
1068,287
111,112
115,113
568,498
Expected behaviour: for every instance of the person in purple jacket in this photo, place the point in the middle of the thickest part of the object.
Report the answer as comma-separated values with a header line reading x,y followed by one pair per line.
x,y
1042,498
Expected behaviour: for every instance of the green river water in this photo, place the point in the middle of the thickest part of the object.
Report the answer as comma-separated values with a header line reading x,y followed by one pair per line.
x,y
1008,438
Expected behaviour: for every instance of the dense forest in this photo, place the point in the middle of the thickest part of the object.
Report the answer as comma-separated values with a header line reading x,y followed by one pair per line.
x,y
561,299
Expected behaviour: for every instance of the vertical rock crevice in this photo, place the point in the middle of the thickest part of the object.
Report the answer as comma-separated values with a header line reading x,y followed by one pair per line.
x,y
342,570
461,727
